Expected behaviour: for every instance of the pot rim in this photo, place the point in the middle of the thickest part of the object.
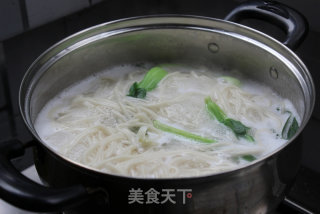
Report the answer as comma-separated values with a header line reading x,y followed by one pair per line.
x,y
245,33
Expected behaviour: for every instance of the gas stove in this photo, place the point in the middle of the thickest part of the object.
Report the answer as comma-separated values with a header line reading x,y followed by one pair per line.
x,y
18,52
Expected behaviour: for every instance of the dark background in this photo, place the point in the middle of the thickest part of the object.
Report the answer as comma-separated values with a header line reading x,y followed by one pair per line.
x,y
29,27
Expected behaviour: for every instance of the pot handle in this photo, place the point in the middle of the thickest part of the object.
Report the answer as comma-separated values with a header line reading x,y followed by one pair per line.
x,y
294,23
24,193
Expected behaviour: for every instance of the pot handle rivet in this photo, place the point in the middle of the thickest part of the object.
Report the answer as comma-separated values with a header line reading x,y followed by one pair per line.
x,y
273,73
213,47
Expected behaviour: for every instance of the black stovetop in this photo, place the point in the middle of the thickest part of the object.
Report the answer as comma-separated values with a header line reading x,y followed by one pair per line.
x,y
17,53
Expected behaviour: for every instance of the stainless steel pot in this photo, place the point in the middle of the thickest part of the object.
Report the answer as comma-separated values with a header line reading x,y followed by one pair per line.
x,y
256,188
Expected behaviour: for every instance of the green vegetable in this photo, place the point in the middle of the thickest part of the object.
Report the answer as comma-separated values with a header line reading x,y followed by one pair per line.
x,y
215,110
290,127
248,138
236,126
232,80
148,83
135,91
170,129
152,78
248,157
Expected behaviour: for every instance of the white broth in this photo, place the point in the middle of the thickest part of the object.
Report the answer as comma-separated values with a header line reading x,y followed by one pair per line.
x,y
97,124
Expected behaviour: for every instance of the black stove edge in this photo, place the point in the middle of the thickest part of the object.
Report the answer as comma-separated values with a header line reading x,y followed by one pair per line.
x,y
304,196
295,206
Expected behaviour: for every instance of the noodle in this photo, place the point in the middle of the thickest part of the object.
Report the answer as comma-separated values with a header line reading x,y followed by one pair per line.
x,y
104,129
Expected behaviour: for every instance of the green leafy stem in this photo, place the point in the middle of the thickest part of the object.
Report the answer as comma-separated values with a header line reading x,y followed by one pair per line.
x,y
186,134
236,126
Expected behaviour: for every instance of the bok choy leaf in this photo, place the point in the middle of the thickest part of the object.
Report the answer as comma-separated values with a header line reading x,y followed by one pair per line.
x,y
148,83
290,127
236,126
231,80
248,157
